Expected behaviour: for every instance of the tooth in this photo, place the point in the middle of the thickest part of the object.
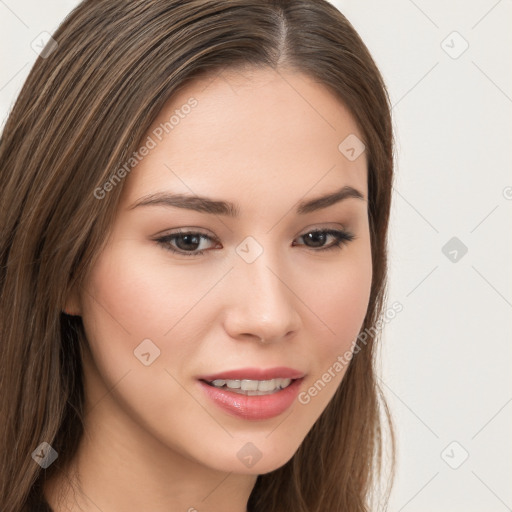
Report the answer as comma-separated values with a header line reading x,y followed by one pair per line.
x,y
253,387
250,385
285,382
267,385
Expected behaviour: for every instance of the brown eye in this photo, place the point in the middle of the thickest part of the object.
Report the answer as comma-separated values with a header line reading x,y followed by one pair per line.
x,y
319,236
186,242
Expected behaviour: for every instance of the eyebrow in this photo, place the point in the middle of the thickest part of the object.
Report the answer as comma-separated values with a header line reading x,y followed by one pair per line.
x,y
207,205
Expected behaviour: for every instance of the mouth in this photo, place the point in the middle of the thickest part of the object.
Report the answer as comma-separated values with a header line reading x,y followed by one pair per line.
x,y
251,387
252,393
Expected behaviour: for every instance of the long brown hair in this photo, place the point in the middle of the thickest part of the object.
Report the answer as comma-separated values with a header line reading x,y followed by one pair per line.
x,y
82,112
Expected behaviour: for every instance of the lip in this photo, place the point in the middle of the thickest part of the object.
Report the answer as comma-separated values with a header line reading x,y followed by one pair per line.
x,y
256,374
252,407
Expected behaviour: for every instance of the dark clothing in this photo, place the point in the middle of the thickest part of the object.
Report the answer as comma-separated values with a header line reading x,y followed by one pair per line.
x,y
37,505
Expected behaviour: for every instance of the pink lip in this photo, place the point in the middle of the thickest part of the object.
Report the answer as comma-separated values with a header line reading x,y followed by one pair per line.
x,y
252,407
255,374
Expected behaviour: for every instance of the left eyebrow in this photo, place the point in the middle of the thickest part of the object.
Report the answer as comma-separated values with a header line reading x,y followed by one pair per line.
x,y
208,205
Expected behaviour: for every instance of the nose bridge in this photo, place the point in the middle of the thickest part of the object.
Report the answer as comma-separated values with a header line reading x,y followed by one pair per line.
x,y
263,304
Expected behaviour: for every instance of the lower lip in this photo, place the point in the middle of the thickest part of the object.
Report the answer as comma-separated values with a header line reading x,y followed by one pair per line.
x,y
260,407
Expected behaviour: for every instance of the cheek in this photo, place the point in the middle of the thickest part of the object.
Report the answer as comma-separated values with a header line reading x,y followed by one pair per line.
x,y
127,300
347,301
135,295
132,294
122,306
339,302
341,299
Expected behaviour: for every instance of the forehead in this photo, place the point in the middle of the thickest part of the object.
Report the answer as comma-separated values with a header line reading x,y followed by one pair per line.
x,y
254,130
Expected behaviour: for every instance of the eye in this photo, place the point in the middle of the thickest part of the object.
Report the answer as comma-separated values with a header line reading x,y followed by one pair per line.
x,y
187,242
318,236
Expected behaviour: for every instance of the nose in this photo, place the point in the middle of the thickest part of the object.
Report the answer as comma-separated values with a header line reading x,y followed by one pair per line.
x,y
261,303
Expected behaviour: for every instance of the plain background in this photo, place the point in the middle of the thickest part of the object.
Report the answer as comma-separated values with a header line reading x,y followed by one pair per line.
x,y
446,357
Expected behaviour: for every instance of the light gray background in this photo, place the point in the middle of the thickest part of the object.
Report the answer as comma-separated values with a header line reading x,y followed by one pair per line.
x,y
446,357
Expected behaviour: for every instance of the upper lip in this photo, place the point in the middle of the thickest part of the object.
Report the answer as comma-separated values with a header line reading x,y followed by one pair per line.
x,y
255,374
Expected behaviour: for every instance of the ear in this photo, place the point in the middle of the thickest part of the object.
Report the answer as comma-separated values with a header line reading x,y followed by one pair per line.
x,y
72,305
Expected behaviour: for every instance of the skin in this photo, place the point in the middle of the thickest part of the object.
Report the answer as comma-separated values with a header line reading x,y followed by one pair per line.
x,y
153,441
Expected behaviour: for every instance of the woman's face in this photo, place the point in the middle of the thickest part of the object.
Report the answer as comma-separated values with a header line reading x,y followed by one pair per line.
x,y
158,322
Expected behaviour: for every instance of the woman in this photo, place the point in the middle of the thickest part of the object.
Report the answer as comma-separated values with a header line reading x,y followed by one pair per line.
x,y
195,205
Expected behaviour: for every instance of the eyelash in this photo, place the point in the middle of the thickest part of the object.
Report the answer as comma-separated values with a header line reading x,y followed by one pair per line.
x,y
341,238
